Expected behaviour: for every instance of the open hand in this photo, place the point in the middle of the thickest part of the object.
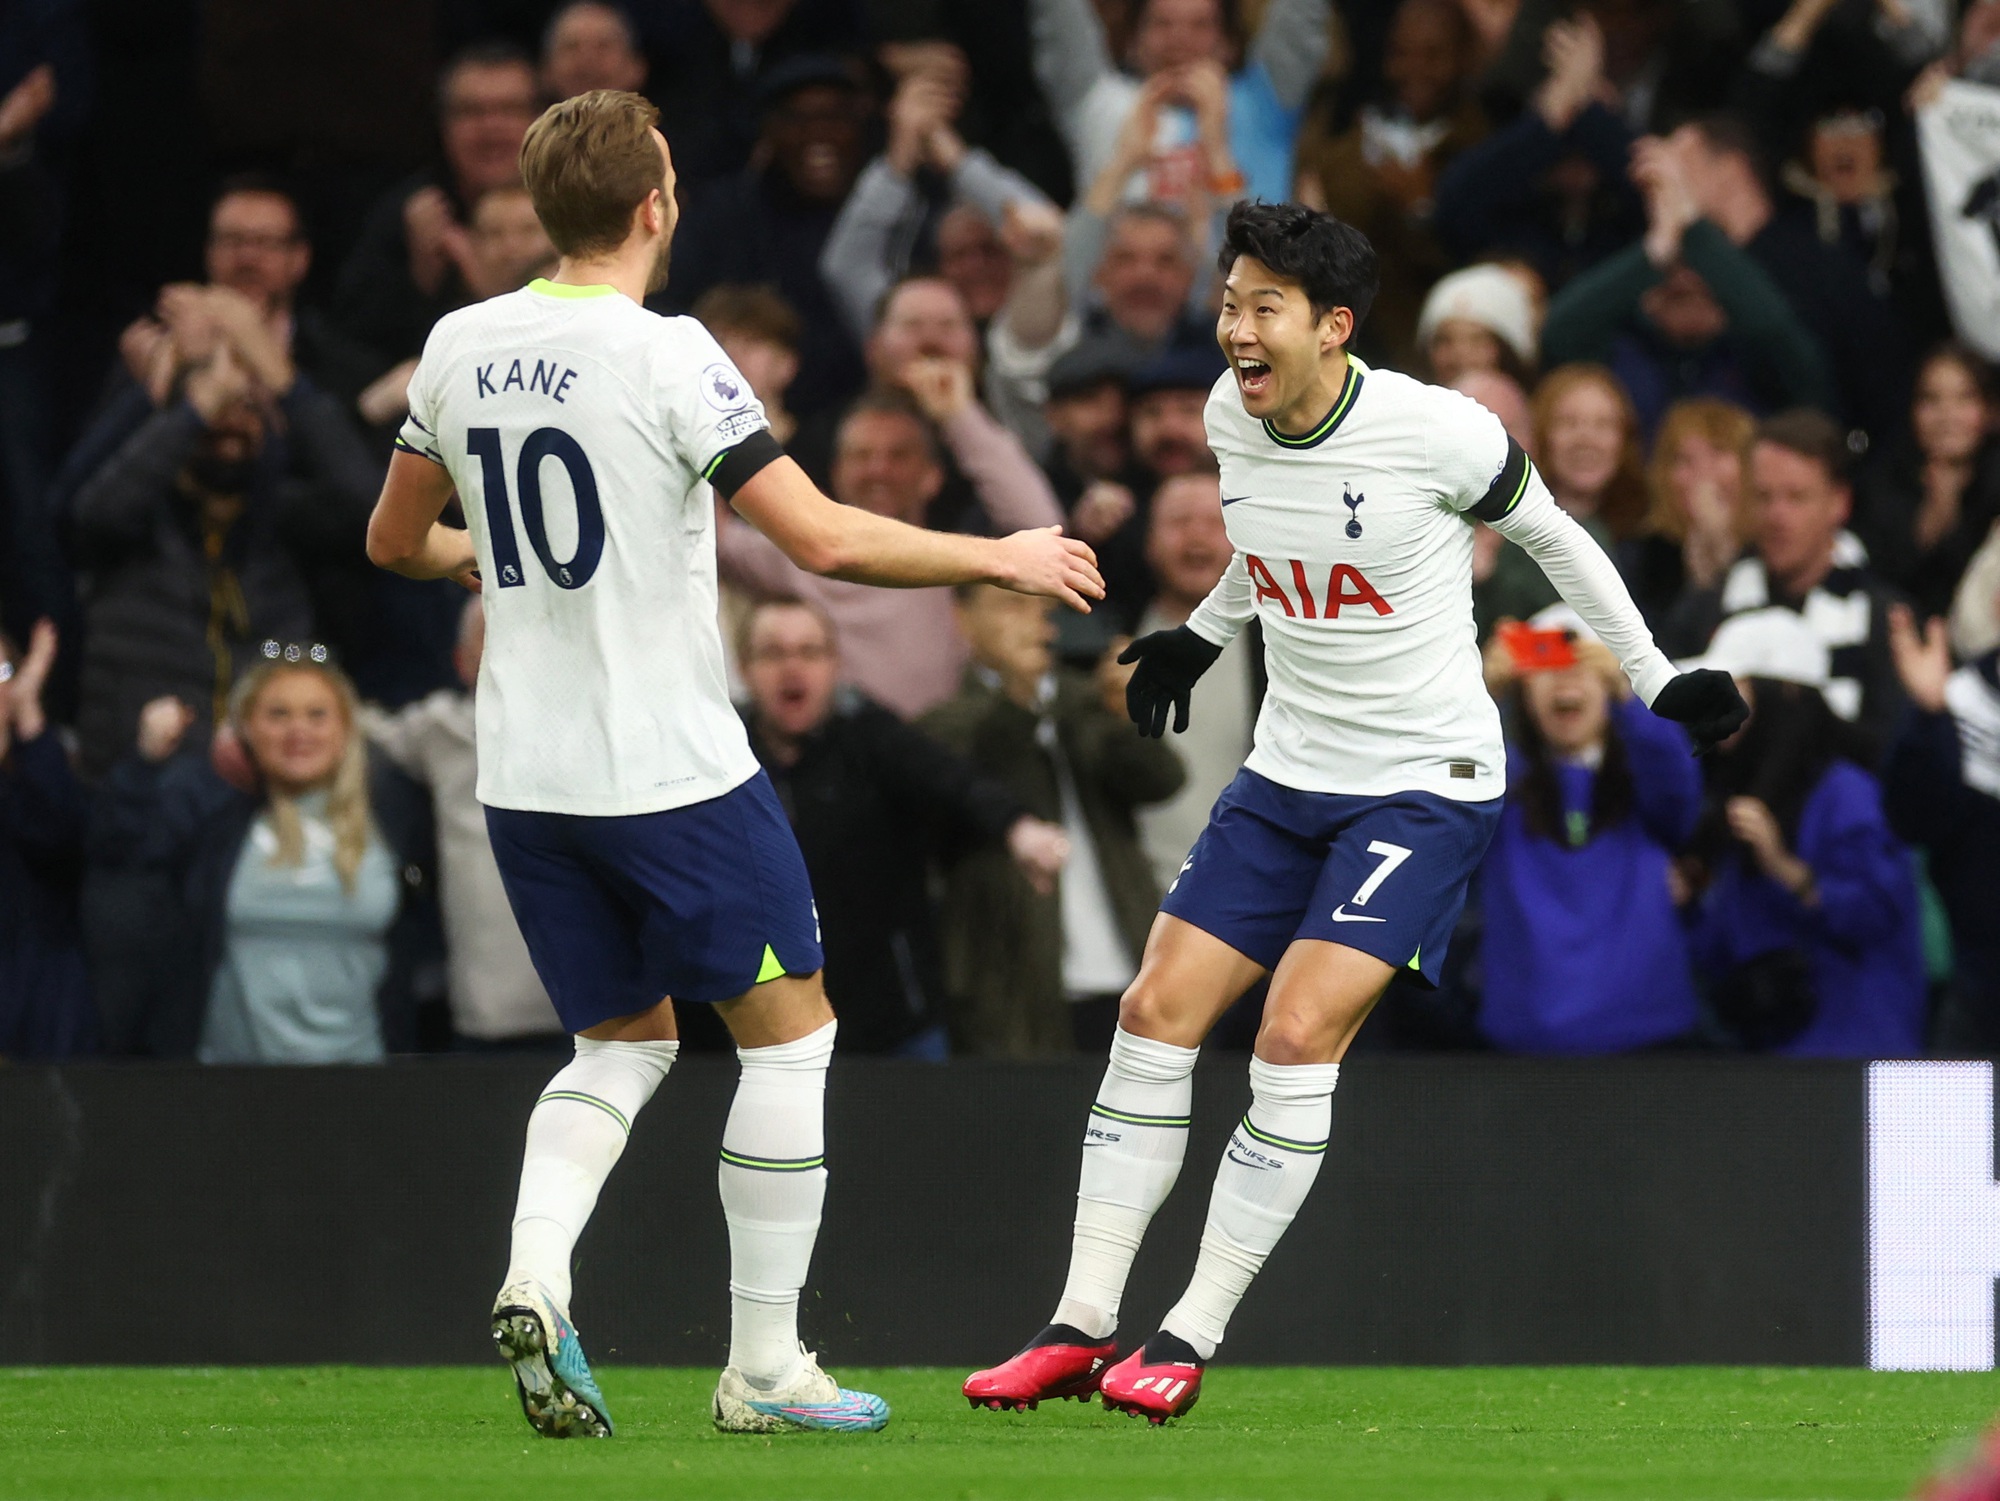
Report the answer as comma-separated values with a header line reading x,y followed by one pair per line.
x,y
1045,562
1923,659
1170,663
163,724
943,388
1040,849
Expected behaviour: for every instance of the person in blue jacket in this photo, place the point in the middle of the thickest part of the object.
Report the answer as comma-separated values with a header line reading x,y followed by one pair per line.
x,y
1807,920
1582,949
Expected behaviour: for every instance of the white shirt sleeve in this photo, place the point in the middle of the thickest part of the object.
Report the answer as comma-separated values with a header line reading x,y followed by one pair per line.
x,y
708,405
1228,607
1485,475
419,433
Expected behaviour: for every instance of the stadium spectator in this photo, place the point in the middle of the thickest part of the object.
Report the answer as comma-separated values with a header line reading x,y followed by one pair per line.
x,y
1925,507
1032,974
1805,562
715,62
899,646
1090,453
494,995
1685,312
1699,519
1550,188
769,223
1501,395
201,535
590,45
1806,913
1663,61
1587,447
1867,350
1381,174
1941,786
760,333
404,271
872,800
1188,550
45,1009
278,901
1581,948
1181,95
1480,318
927,189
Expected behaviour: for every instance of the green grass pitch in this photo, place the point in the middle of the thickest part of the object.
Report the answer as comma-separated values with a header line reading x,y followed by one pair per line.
x,y
1494,1434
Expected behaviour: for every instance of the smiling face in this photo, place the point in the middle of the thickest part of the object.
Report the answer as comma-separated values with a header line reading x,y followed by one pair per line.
x,y
296,730
790,667
1168,434
1949,412
815,135
1145,275
1277,345
1459,347
883,463
488,107
256,247
923,319
1586,435
1570,707
1186,544
1174,33
1800,510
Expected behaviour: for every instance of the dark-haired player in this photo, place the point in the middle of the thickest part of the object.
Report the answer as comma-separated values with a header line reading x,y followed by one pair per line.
x,y
1340,853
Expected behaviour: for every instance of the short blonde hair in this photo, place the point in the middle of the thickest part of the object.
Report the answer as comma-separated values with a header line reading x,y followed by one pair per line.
x,y
588,162
1722,425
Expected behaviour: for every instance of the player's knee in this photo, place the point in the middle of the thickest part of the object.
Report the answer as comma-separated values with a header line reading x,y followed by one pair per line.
x,y
1145,1010
1292,1037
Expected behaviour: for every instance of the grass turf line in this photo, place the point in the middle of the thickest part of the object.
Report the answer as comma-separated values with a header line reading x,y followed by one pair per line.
x,y
1495,1434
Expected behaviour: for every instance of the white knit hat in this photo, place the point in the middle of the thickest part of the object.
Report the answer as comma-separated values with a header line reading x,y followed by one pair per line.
x,y
1489,295
1770,643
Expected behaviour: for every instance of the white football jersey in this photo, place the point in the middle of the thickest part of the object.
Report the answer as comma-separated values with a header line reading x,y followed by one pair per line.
x,y
578,428
1354,551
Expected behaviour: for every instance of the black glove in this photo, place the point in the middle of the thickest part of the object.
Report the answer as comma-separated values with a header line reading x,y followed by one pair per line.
x,y
1707,703
1169,664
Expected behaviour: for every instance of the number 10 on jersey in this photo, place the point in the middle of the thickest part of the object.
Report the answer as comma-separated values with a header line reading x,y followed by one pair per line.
x,y
543,443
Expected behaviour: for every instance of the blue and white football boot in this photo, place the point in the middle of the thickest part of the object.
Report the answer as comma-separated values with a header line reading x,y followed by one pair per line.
x,y
536,1338
811,1400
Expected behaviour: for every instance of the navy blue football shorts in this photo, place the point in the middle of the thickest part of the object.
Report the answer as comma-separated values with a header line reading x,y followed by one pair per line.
x,y
1385,875
698,903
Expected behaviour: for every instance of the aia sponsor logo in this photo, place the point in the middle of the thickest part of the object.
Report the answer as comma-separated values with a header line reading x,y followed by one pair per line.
x,y
1345,588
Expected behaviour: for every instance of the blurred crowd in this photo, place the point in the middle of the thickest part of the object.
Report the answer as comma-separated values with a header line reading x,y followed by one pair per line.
x,y
1729,270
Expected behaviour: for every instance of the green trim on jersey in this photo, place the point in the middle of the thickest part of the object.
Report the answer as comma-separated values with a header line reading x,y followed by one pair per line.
x,y
1342,405
563,289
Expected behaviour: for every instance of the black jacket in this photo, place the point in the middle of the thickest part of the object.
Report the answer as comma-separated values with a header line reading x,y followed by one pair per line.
x,y
871,799
1886,501
163,845
44,1000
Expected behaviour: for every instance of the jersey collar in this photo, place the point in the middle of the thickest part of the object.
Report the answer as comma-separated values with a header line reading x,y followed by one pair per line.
x,y
1342,405
563,289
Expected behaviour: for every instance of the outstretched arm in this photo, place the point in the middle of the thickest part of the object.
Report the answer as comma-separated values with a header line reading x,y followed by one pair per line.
x,y
846,542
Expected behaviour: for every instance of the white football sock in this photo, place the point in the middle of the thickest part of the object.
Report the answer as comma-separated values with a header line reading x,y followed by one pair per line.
x,y
1266,1173
575,1136
1132,1151
773,1181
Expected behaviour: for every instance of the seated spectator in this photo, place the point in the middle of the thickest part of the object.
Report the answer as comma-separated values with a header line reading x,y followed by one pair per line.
x,y
769,223
760,333
1866,349
872,801
1941,786
1551,188
281,898
1032,973
1685,312
1806,914
590,45
927,189
899,646
1134,280
1923,510
45,1010
1188,550
1179,90
404,271
1581,948
1803,561
494,995
1699,520
1381,175
201,535
713,64
1587,448
1481,318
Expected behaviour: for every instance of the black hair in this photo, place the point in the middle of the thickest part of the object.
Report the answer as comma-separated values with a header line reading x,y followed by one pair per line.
x,y
1792,738
486,54
1329,258
1540,792
1729,134
267,184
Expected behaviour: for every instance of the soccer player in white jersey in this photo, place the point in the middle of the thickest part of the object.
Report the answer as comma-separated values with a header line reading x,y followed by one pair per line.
x,y
1340,853
643,850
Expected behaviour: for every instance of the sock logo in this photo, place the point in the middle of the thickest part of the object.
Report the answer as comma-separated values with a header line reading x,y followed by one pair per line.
x,y
1250,1156
1093,1137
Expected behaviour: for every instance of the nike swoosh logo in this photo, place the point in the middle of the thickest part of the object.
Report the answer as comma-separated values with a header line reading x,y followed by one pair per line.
x,y
1230,500
1341,914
